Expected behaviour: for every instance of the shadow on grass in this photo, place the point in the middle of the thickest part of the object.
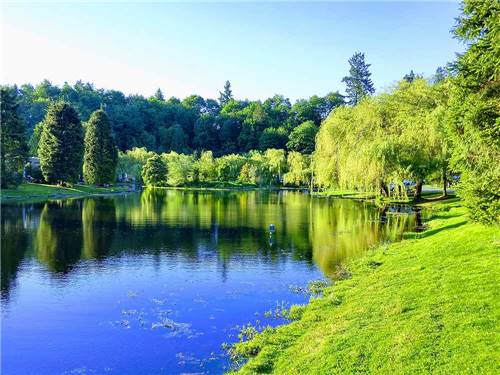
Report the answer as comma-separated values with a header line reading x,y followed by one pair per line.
x,y
431,232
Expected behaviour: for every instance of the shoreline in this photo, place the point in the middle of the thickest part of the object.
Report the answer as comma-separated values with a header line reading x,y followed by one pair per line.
x,y
36,193
400,309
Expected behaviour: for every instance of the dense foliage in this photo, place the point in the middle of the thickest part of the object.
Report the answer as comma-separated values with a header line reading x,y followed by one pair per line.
x,y
475,107
222,126
154,172
61,144
13,142
101,155
303,137
384,140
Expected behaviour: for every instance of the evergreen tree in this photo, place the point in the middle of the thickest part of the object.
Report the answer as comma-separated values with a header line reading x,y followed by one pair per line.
x,y
225,95
358,81
475,110
13,141
410,77
154,172
159,95
440,75
61,144
101,155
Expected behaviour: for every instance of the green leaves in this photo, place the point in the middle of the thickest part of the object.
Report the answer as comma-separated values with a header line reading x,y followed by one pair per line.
x,y
13,143
61,144
101,155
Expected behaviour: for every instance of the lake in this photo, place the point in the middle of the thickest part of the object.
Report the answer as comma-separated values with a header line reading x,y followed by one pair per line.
x,y
155,282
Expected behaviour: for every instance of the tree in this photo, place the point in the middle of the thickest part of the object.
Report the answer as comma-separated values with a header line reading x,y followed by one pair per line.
x,y
440,75
299,171
13,139
383,140
154,172
181,168
35,139
61,144
100,156
410,77
130,163
226,95
475,110
276,161
273,138
159,95
206,167
302,138
358,81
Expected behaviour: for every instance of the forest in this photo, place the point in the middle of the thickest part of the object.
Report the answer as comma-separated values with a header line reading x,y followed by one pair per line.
x,y
441,128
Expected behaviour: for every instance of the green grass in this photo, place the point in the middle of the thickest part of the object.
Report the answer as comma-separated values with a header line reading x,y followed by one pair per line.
x,y
35,192
423,305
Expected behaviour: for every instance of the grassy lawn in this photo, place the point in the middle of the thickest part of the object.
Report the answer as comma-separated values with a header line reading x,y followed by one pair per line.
x,y
428,304
34,192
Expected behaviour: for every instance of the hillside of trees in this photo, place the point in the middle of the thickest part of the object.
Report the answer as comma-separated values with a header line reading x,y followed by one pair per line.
x,y
223,126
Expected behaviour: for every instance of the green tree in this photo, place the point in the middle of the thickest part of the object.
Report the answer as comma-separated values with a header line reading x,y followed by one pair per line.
x,y
154,172
299,169
181,168
100,156
273,138
13,139
159,95
61,144
206,167
410,77
358,81
226,95
302,138
35,139
475,109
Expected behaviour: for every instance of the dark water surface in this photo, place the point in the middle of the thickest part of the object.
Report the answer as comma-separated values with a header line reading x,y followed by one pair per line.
x,y
155,282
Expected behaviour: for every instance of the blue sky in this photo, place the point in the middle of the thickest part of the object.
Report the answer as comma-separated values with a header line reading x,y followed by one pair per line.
x,y
295,49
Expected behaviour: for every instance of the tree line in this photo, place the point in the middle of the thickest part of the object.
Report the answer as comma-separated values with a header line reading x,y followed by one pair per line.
x,y
223,126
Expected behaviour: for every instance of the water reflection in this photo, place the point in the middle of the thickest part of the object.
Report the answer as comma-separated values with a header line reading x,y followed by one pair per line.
x,y
189,225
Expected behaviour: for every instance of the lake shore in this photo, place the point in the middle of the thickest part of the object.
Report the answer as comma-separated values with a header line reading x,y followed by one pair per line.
x,y
425,304
28,192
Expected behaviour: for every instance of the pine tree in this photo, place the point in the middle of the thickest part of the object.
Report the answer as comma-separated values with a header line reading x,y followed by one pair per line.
x,y
101,156
358,81
225,95
13,139
61,144
159,95
154,172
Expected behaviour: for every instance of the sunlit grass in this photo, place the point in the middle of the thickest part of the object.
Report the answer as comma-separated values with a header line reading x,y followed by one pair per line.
x,y
28,191
426,305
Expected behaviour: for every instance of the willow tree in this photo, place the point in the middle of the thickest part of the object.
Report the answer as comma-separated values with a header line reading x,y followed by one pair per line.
x,y
383,140
61,144
101,155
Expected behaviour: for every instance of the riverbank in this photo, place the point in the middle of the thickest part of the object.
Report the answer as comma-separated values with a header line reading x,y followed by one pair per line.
x,y
28,192
428,304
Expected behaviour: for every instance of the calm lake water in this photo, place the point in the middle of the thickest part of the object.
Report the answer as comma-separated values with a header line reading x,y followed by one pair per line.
x,y
155,282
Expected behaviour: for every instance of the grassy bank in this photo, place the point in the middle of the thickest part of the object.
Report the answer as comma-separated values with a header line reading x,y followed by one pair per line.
x,y
39,192
428,304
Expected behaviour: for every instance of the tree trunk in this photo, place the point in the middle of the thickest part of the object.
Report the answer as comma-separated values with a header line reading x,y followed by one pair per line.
x,y
445,183
418,190
383,189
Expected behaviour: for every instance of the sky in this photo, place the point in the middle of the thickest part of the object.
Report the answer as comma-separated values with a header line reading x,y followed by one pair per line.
x,y
297,49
